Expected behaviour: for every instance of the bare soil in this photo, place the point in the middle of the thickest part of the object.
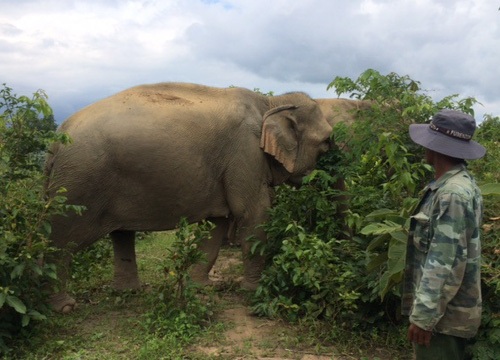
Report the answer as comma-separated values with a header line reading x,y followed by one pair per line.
x,y
252,337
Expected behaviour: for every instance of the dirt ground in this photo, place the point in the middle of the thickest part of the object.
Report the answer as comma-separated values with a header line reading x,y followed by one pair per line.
x,y
248,337
251,337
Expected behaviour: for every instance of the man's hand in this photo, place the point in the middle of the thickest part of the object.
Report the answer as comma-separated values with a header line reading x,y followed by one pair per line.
x,y
419,336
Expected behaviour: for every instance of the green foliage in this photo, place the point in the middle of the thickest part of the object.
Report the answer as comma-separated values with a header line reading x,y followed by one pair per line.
x,y
87,263
315,204
27,127
488,135
309,279
26,130
383,172
179,308
487,171
387,249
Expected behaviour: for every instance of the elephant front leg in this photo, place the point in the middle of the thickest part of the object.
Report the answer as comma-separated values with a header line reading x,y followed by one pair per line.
x,y
210,247
249,228
125,272
61,301
253,264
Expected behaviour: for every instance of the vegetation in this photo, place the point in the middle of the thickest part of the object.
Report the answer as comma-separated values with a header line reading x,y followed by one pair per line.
x,y
316,272
26,130
334,277
179,308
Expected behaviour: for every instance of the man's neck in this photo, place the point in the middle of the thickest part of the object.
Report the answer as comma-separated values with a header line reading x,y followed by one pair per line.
x,y
443,164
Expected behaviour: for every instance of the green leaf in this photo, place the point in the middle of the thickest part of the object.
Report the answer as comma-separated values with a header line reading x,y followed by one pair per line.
x,y
400,236
47,227
16,303
397,255
35,315
18,271
25,320
386,227
380,214
490,189
376,262
377,242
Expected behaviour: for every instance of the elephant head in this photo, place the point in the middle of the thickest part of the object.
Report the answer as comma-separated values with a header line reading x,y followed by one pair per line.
x,y
295,136
342,110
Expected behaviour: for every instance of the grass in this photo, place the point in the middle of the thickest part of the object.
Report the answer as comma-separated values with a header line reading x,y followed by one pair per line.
x,y
114,325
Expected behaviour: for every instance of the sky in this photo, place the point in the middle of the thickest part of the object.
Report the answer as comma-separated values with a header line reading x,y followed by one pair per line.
x,y
80,51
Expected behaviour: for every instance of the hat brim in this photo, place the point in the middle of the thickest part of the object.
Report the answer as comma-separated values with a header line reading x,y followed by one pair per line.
x,y
444,144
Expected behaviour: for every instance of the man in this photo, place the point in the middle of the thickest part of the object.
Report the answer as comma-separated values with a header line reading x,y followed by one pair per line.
x,y
442,290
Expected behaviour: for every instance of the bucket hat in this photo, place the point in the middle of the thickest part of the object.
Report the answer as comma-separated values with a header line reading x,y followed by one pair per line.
x,y
449,133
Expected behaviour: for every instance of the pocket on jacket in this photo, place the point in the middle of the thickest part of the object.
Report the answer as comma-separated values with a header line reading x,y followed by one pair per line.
x,y
421,234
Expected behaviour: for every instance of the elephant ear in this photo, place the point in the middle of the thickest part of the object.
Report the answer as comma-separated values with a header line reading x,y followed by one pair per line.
x,y
279,136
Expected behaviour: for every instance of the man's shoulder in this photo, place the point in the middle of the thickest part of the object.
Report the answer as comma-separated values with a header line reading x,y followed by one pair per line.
x,y
461,184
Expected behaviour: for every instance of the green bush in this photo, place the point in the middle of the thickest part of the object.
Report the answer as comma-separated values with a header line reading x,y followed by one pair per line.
x,y
179,308
487,171
26,130
312,272
308,278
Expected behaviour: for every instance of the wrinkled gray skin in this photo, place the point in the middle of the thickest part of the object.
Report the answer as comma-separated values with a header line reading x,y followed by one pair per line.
x,y
145,157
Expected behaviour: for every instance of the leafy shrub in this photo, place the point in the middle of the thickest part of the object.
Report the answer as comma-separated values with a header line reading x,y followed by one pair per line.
x,y
487,345
309,279
26,130
179,308
383,173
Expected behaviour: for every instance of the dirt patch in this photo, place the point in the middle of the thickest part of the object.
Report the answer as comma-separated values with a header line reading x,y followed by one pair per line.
x,y
248,336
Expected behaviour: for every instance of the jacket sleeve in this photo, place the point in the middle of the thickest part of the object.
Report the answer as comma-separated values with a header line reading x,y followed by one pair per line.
x,y
445,263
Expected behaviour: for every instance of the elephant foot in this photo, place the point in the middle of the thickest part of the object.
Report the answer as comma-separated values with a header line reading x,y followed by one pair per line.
x,y
199,275
248,285
202,281
62,303
122,284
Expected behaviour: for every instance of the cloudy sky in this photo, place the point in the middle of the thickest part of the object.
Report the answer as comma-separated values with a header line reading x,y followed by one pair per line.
x,y
80,51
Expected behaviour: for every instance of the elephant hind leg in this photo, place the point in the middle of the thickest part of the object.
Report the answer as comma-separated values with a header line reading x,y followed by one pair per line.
x,y
126,276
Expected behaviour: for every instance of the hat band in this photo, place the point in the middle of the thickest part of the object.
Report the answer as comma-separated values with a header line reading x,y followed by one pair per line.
x,y
452,133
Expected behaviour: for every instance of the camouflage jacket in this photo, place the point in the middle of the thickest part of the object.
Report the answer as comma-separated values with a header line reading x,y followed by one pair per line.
x,y
441,288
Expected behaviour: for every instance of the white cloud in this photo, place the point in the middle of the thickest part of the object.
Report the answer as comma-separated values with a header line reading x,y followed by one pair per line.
x,y
82,50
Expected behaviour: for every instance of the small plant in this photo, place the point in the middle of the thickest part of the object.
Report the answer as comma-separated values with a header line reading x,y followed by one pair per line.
x,y
179,306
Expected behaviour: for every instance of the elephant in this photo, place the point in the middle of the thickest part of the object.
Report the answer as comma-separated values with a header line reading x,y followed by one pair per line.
x,y
342,110
336,110
144,158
